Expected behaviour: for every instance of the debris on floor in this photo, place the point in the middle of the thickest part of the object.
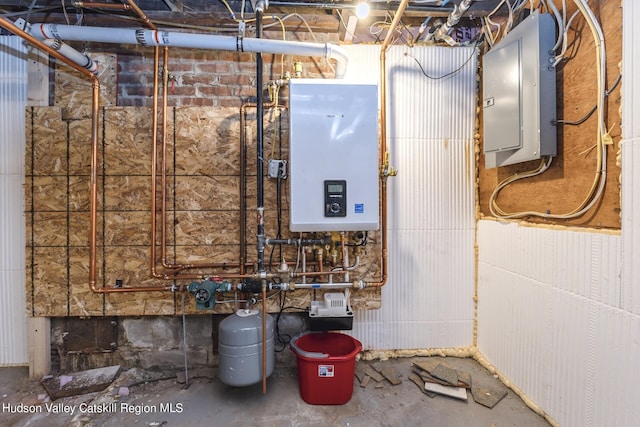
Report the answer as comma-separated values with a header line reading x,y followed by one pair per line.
x,y
437,377
488,396
366,373
81,382
451,391
390,373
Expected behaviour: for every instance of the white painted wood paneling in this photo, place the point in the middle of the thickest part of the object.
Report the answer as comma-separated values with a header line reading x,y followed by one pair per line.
x,y
13,97
428,300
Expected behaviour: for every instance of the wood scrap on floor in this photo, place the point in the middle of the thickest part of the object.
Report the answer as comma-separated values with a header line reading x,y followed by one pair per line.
x,y
415,378
392,375
438,377
488,396
446,374
80,382
377,373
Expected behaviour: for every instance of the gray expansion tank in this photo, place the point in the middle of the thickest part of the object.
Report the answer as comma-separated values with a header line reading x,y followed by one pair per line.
x,y
240,348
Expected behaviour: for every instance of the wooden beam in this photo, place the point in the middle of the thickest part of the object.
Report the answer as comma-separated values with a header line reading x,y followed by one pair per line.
x,y
212,21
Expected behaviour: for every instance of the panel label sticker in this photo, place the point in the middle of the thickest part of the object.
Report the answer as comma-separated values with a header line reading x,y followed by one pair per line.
x,y
359,208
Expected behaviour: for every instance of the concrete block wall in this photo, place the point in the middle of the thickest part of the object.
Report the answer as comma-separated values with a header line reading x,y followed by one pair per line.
x,y
156,343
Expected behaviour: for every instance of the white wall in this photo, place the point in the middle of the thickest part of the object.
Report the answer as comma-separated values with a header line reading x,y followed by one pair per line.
x,y
428,300
551,319
13,99
559,310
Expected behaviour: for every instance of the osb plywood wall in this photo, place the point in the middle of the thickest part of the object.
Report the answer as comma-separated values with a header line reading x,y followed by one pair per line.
x,y
567,182
203,207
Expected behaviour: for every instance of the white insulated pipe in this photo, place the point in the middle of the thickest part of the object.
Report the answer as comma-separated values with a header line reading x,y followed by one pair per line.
x,y
79,58
145,37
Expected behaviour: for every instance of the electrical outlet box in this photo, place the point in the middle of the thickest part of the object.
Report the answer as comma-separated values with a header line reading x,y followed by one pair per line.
x,y
333,158
519,94
277,168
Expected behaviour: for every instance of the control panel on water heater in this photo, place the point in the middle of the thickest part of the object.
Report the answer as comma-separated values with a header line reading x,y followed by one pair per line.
x,y
333,156
335,198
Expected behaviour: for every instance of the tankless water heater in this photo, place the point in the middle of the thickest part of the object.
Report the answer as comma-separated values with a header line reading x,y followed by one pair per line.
x,y
333,155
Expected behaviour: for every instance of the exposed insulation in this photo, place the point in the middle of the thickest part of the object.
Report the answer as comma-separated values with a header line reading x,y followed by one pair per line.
x,y
203,207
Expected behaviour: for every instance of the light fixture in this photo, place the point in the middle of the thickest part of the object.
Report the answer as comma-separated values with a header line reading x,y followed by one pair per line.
x,y
362,10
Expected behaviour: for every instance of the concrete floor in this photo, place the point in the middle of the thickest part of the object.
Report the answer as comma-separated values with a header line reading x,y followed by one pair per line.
x,y
207,402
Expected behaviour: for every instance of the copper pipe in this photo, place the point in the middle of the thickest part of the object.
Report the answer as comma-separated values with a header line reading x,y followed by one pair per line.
x,y
94,158
163,260
141,14
343,249
116,6
264,337
384,275
154,137
154,161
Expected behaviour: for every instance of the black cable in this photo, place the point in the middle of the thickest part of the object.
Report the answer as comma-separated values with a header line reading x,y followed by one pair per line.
x,y
593,109
447,74
284,339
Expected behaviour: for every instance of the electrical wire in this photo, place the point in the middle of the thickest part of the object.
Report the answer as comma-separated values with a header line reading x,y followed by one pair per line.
x,y
565,44
341,19
560,20
457,70
591,111
602,138
493,205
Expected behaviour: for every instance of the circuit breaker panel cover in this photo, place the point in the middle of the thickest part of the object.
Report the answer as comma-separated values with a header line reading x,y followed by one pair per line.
x,y
333,155
519,94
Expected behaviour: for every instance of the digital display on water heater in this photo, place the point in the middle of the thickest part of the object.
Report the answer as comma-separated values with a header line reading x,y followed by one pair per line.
x,y
334,188
335,198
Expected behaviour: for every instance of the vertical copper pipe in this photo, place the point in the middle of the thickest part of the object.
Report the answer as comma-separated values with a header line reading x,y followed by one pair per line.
x,y
154,138
154,161
384,275
93,202
264,337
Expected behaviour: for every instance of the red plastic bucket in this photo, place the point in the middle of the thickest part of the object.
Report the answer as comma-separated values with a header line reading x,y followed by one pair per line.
x,y
326,366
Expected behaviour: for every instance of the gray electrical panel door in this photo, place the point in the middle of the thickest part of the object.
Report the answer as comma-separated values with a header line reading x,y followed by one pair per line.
x,y
502,107
519,94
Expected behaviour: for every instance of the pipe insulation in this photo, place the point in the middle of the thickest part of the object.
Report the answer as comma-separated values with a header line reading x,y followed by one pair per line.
x,y
191,40
453,19
65,50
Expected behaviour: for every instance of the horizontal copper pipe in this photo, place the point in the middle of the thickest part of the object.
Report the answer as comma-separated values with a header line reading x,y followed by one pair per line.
x,y
114,6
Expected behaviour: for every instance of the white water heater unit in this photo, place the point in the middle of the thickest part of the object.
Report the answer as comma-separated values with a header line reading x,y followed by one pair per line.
x,y
333,155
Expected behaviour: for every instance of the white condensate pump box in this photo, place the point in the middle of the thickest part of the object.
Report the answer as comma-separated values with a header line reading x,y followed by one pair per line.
x,y
333,155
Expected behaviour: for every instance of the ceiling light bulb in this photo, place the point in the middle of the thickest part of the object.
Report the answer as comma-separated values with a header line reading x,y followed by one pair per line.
x,y
362,10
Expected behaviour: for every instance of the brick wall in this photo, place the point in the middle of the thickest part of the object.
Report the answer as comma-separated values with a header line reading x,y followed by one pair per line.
x,y
210,78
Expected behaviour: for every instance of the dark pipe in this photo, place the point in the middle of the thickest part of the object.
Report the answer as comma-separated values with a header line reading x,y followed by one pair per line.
x,y
260,189
260,146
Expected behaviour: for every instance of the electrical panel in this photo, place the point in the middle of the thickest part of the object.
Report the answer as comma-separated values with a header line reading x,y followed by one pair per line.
x,y
333,157
519,94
